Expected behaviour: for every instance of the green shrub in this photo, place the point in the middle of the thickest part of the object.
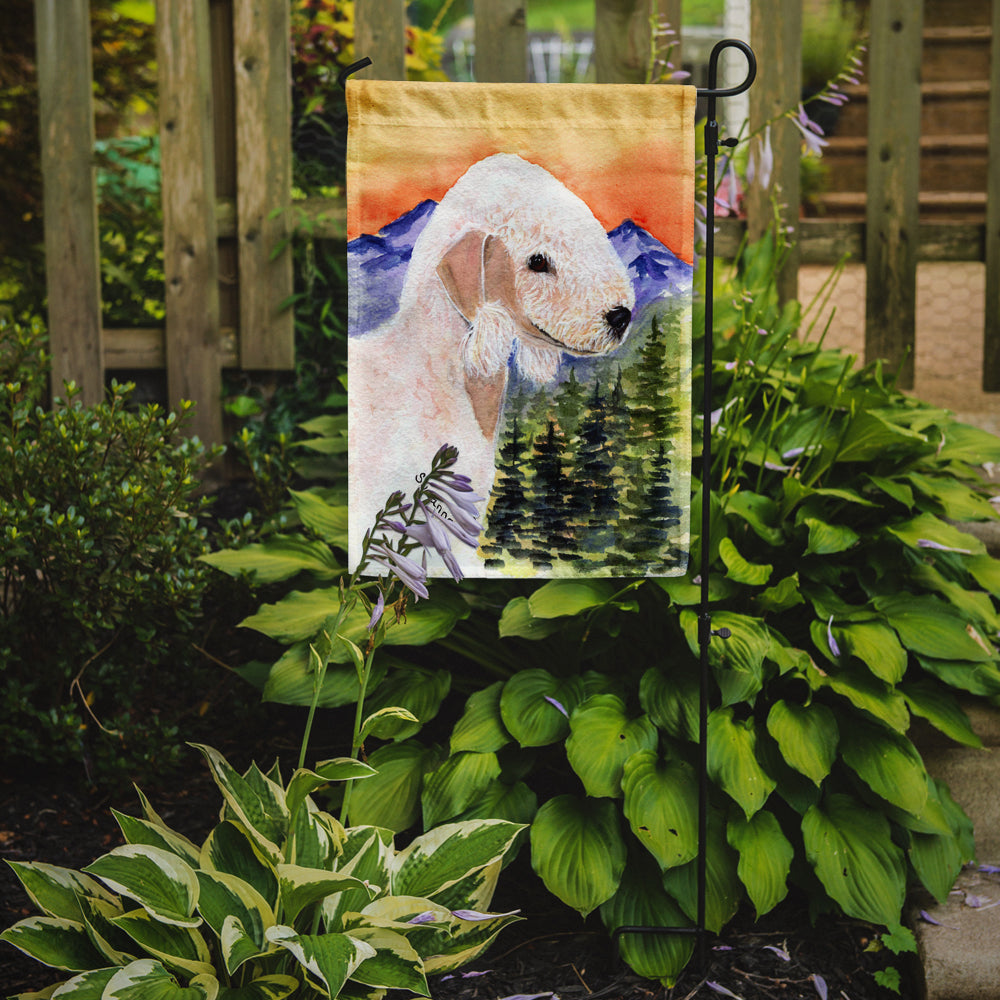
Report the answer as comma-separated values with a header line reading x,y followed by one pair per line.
x,y
280,899
99,540
854,604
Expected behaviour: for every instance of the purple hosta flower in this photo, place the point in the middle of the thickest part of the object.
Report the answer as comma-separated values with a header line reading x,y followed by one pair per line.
x,y
989,869
760,165
834,648
377,611
411,574
719,988
780,952
465,975
459,501
475,915
927,543
820,983
812,134
727,198
558,705
427,917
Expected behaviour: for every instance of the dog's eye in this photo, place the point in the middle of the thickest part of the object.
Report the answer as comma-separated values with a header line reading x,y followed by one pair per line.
x,y
539,263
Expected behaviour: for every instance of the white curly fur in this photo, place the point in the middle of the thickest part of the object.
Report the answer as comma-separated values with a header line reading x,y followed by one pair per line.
x,y
436,372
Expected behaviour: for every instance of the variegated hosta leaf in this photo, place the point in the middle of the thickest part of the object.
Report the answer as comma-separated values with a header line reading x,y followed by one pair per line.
x,y
850,847
256,801
329,959
481,727
147,979
535,706
456,784
158,880
315,838
661,799
141,831
395,964
723,889
441,857
807,736
732,760
230,849
304,782
54,941
642,902
476,890
56,891
177,947
468,939
367,853
274,987
602,737
116,946
765,858
300,887
225,897
86,986
578,851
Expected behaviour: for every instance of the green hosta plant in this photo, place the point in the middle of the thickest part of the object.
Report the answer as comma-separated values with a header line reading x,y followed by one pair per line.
x,y
280,899
855,603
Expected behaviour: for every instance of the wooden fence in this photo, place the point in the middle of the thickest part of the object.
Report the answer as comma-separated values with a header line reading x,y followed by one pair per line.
x,y
226,161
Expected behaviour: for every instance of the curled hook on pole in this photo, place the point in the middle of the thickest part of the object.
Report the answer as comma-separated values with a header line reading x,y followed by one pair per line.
x,y
353,68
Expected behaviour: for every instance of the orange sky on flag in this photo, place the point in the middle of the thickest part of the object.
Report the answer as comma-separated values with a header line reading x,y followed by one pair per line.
x,y
620,173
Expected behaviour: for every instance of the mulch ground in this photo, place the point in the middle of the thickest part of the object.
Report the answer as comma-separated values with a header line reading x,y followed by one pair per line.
x,y
551,952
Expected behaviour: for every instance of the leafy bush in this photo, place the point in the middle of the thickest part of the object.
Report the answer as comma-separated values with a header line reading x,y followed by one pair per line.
x,y
279,899
854,604
99,539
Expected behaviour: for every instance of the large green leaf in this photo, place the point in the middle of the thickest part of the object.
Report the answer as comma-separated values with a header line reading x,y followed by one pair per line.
x,y
535,706
876,646
304,782
481,728
578,851
56,891
225,897
864,691
976,678
291,680
558,598
301,887
732,760
965,443
442,857
163,884
456,784
926,528
956,500
516,803
517,620
144,831
870,436
765,858
274,987
941,709
54,941
278,558
758,511
391,798
739,569
738,661
602,737
147,979
671,700
418,690
723,889
807,736
661,800
850,848
329,959
931,628
327,520
888,763
828,539
640,901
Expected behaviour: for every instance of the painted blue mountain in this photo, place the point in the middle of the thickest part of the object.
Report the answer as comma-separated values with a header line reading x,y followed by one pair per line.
x,y
376,267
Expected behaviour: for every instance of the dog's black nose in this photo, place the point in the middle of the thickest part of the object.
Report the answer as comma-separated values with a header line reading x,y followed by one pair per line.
x,y
617,319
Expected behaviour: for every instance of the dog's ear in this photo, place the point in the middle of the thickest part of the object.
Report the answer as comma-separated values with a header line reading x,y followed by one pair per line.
x,y
461,271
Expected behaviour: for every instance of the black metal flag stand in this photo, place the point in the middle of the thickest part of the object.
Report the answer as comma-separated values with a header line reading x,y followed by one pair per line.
x,y
705,631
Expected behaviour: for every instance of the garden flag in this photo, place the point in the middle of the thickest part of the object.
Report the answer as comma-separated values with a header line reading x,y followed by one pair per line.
x,y
520,261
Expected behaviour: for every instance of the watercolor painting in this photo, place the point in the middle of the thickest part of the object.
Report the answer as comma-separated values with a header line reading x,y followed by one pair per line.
x,y
520,288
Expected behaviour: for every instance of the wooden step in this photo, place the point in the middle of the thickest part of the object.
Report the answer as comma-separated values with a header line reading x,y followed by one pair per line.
x,y
958,206
947,162
956,53
946,106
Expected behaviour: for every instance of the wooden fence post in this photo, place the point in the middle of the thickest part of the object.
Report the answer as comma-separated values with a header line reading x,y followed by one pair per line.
x,y
893,183
190,252
501,41
262,61
991,333
621,40
380,34
776,35
72,255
